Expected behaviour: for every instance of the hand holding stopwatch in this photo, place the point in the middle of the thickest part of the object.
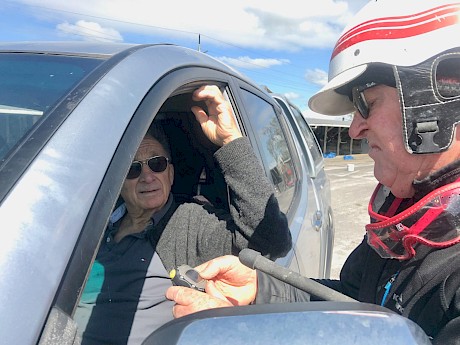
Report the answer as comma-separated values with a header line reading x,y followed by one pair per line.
x,y
185,275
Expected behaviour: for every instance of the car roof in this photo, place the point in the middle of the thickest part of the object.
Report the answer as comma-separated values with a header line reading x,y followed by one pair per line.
x,y
177,53
76,47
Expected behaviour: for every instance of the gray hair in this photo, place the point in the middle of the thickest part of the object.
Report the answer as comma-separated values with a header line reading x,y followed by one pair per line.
x,y
157,132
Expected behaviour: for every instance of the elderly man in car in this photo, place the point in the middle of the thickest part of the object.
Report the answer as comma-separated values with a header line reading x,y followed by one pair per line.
x,y
124,299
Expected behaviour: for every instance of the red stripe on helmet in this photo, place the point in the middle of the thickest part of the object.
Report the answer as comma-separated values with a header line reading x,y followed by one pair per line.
x,y
399,27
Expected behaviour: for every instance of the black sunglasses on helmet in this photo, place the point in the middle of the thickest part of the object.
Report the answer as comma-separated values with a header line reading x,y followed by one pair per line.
x,y
157,164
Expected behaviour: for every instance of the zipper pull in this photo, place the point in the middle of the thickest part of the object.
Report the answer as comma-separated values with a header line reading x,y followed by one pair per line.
x,y
388,287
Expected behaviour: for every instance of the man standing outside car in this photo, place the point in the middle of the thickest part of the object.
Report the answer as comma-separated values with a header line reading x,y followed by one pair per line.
x,y
124,301
397,67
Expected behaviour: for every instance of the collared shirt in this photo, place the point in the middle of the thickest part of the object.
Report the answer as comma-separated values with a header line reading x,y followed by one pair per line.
x,y
124,298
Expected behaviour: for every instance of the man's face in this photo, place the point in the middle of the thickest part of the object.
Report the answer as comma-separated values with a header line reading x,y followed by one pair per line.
x,y
394,166
149,191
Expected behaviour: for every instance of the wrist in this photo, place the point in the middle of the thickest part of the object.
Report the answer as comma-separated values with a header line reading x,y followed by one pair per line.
x,y
230,139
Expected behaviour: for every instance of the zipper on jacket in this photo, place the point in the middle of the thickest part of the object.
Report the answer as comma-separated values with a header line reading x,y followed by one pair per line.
x,y
388,287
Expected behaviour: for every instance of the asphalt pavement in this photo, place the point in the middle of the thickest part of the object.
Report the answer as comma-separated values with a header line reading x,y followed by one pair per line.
x,y
351,188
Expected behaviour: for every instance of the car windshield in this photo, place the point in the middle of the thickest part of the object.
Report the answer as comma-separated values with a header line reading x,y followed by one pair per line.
x,y
30,86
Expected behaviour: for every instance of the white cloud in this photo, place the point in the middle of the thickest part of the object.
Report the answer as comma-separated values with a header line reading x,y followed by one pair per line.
x,y
292,95
248,63
268,24
316,76
90,31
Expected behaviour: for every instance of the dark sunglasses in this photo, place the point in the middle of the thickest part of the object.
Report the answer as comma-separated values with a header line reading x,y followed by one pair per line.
x,y
157,164
358,99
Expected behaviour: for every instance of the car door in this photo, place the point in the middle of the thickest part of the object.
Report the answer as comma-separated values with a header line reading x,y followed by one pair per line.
x,y
322,218
174,83
70,184
59,207
284,163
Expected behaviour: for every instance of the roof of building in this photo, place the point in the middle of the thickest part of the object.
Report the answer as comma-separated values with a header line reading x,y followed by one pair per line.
x,y
318,120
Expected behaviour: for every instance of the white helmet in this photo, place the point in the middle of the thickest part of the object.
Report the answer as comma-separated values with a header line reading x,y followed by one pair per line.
x,y
413,45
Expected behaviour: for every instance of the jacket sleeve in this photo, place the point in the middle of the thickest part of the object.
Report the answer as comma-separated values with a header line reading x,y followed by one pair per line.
x,y
198,233
450,333
256,220
351,274
272,290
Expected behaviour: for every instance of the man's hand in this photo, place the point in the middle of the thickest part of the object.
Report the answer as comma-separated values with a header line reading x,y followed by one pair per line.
x,y
228,277
190,301
229,283
219,124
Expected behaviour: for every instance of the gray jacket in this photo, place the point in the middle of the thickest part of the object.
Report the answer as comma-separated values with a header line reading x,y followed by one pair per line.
x,y
123,301
195,233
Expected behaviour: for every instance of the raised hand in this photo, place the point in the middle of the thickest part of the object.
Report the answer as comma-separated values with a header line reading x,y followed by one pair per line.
x,y
219,123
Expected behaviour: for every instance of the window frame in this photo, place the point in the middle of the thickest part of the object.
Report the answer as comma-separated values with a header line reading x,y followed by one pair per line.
x,y
294,204
74,280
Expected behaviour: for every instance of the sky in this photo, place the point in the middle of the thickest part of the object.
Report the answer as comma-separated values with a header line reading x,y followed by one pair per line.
x,y
283,44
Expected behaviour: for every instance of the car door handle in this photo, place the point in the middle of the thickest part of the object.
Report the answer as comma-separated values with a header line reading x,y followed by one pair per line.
x,y
318,220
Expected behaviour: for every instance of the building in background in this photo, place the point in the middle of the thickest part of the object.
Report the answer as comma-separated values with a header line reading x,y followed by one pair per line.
x,y
332,134
331,131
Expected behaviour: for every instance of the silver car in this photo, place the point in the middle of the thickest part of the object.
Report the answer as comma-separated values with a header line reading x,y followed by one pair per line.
x,y
319,208
71,118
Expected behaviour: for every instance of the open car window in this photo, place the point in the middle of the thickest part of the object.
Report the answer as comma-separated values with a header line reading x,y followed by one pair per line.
x,y
197,178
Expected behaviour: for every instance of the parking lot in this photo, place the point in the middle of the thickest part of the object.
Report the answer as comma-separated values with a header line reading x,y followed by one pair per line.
x,y
351,189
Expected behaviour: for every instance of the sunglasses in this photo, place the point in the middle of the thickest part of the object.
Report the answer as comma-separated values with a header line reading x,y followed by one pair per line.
x,y
358,99
157,164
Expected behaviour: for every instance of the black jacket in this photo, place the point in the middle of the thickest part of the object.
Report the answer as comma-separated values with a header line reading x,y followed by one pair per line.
x,y
426,289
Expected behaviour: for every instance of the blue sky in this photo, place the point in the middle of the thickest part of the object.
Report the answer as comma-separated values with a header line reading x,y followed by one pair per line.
x,y
285,45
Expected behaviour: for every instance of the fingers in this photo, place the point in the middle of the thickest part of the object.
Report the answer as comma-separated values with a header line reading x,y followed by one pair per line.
x,y
212,290
209,94
218,266
200,114
213,98
208,125
190,301
218,123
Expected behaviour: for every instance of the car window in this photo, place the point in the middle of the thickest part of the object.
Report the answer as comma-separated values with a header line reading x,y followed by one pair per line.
x,y
310,138
31,84
273,147
197,178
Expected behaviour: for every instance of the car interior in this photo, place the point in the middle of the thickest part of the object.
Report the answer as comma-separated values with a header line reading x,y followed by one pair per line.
x,y
196,175
197,178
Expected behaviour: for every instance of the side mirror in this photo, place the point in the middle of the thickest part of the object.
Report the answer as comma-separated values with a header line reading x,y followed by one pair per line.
x,y
292,323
